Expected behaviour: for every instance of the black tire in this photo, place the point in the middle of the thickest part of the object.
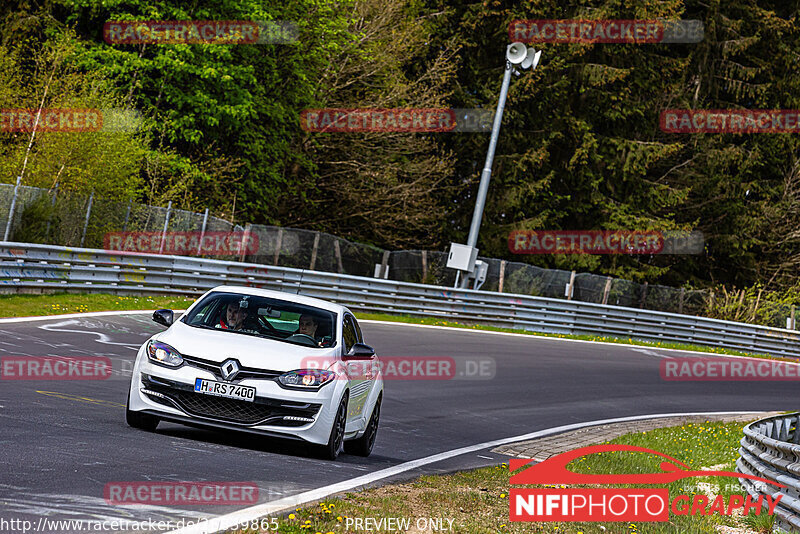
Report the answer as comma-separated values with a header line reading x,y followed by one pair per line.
x,y
331,450
363,445
142,421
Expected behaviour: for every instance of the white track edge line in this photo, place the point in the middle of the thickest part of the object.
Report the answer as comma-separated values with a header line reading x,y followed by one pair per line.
x,y
536,336
392,323
74,315
388,323
246,515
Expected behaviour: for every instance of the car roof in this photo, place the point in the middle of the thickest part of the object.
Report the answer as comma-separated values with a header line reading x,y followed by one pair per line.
x,y
282,295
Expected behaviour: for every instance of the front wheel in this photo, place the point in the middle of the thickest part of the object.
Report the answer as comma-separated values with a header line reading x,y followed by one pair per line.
x,y
142,421
363,445
330,451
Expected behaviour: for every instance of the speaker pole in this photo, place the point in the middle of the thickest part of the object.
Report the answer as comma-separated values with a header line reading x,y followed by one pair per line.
x,y
486,175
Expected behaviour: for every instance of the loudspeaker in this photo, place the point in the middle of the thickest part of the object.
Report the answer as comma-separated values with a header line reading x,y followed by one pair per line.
x,y
515,53
531,58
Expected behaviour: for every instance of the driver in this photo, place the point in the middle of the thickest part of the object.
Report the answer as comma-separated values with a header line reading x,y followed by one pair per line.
x,y
307,325
233,317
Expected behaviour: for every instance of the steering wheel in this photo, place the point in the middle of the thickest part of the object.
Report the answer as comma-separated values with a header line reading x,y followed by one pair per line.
x,y
266,324
303,338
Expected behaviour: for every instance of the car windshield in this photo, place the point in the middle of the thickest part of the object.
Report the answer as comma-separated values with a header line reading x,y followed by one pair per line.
x,y
264,317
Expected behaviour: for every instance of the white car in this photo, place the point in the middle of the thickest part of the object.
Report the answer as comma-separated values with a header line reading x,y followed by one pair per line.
x,y
265,362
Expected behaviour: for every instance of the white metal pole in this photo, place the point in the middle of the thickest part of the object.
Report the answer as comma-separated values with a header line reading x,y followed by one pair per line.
x,y
88,213
486,174
11,210
164,231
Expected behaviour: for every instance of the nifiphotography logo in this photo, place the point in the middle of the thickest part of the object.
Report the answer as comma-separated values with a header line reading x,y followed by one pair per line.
x,y
619,504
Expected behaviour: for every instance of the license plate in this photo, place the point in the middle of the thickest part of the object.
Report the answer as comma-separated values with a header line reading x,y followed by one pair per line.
x,y
229,391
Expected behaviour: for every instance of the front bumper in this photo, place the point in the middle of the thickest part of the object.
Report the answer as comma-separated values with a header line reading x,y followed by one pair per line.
x,y
278,412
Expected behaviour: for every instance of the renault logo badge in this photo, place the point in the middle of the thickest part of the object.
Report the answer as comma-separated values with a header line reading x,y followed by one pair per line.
x,y
229,368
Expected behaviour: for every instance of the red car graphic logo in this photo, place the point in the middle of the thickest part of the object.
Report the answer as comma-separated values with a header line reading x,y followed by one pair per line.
x,y
554,470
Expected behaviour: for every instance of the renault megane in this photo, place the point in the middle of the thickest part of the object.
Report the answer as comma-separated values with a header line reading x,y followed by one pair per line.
x,y
265,362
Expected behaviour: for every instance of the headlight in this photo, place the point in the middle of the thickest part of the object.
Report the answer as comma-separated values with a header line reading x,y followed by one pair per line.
x,y
164,354
306,378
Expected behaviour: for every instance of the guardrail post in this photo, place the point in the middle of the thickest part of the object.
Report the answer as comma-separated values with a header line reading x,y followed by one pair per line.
x,y
88,214
314,252
11,210
607,290
502,276
164,231
278,246
202,232
338,252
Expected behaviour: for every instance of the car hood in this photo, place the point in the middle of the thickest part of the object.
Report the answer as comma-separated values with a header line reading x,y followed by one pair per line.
x,y
251,351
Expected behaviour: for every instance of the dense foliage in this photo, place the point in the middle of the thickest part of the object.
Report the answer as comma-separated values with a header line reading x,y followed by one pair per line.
x,y
580,146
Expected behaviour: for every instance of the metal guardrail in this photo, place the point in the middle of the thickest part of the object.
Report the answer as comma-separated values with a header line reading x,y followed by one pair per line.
x,y
31,267
770,449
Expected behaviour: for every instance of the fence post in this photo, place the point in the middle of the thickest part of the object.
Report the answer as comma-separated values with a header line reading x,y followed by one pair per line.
x,y
52,205
11,210
384,264
338,252
791,322
606,290
164,231
424,265
245,239
680,302
86,222
127,216
644,296
502,275
570,286
314,252
202,232
278,246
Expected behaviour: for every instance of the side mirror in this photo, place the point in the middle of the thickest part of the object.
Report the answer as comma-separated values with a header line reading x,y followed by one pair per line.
x,y
164,317
360,351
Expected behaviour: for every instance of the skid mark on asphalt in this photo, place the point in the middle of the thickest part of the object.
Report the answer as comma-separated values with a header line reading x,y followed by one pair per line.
x,y
101,337
81,506
78,398
28,338
652,353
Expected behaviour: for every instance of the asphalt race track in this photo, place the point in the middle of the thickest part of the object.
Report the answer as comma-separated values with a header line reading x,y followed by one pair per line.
x,y
63,441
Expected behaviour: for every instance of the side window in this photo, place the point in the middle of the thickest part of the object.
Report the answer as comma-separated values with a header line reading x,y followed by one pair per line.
x,y
358,331
205,314
349,333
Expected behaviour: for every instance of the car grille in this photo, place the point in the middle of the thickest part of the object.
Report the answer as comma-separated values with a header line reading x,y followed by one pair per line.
x,y
244,372
262,411
227,409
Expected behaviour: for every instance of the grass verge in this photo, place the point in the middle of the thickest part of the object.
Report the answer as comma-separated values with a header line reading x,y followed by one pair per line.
x,y
477,501
58,303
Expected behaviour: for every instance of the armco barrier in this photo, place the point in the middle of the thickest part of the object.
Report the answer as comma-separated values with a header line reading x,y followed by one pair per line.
x,y
771,449
30,267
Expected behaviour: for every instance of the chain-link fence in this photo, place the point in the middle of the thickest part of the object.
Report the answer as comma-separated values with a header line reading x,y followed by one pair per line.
x,y
64,219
